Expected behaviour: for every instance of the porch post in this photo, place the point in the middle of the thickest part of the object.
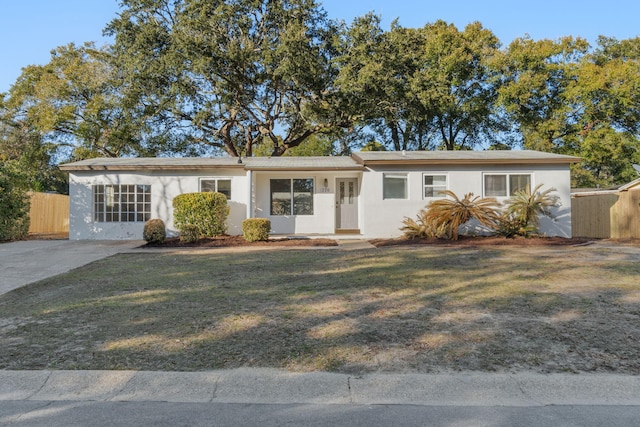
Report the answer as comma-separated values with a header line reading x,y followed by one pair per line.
x,y
251,195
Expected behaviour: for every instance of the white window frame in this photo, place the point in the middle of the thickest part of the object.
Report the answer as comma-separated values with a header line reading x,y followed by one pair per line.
x,y
117,203
293,211
216,179
395,175
507,175
425,186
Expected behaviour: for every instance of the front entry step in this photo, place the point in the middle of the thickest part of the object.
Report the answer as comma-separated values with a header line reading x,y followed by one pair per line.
x,y
354,244
348,231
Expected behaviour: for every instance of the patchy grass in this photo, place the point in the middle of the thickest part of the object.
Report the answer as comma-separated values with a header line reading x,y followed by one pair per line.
x,y
410,309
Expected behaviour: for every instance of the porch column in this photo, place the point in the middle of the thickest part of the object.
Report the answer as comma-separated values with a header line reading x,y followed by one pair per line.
x,y
251,195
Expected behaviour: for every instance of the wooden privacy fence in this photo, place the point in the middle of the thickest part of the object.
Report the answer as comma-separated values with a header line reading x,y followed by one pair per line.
x,y
49,214
611,214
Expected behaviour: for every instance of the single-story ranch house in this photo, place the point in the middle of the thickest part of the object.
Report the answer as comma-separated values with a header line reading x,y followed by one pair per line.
x,y
368,193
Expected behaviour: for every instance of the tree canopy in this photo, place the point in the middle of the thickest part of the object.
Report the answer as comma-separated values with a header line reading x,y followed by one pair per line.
x,y
276,77
232,74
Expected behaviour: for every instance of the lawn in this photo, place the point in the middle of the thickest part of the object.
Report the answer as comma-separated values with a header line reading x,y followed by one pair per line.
x,y
399,309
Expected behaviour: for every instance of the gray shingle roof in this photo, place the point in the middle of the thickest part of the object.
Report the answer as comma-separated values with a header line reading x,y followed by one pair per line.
x,y
185,163
302,163
457,157
152,163
356,162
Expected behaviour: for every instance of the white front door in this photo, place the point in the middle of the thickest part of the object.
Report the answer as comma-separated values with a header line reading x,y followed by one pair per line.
x,y
347,204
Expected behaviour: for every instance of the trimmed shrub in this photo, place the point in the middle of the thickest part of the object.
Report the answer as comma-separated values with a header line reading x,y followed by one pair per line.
x,y
14,206
189,233
256,229
154,231
206,211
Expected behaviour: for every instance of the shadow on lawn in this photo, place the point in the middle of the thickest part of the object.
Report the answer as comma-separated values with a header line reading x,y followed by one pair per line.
x,y
399,310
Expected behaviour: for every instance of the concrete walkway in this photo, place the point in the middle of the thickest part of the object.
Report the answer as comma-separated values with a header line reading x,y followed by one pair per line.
x,y
28,261
354,244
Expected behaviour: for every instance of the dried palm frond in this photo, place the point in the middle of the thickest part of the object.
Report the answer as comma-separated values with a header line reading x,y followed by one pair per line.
x,y
452,213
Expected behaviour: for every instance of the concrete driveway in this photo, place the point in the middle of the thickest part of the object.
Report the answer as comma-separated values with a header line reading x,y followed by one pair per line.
x,y
28,261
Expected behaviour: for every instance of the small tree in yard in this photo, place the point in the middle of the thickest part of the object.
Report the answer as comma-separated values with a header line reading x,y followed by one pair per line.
x,y
207,212
451,213
523,211
14,206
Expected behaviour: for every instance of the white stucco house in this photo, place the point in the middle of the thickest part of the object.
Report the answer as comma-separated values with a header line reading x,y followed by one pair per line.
x,y
367,194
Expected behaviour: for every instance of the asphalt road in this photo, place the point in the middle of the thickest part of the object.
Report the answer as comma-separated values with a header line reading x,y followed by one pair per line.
x,y
97,414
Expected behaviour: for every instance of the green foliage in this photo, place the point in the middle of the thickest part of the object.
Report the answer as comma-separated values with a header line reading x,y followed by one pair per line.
x,y
423,88
76,98
373,146
256,229
207,211
189,233
236,72
22,146
538,81
567,99
314,145
449,214
258,77
14,205
511,226
154,231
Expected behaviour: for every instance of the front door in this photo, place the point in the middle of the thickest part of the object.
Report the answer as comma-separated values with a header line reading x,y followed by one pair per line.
x,y
347,204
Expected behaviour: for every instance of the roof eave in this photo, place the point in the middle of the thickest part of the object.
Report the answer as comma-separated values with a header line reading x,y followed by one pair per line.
x,y
304,169
469,161
72,167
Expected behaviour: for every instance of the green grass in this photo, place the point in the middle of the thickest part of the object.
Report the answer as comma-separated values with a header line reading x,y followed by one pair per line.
x,y
391,310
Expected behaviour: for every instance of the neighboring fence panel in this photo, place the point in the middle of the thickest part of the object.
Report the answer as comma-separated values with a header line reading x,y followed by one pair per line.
x,y
607,215
625,215
49,214
591,217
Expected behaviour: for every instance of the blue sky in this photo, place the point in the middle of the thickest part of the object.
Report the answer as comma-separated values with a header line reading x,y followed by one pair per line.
x,y
29,29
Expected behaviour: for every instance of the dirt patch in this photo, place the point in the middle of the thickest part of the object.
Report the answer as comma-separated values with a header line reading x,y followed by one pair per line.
x,y
468,241
239,241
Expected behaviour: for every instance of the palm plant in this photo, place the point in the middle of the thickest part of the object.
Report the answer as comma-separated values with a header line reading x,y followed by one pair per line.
x,y
526,207
451,213
421,228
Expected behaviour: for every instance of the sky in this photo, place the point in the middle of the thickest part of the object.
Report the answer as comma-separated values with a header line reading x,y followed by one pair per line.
x,y
30,29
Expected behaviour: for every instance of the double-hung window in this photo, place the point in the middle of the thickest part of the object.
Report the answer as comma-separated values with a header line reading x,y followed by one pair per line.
x,y
434,185
395,186
503,185
121,203
220,185
292,196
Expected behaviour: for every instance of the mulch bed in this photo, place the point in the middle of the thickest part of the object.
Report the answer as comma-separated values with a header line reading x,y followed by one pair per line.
x,y
485,241
239,241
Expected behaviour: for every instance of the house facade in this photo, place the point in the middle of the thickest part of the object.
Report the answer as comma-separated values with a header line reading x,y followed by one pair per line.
x,y
366,194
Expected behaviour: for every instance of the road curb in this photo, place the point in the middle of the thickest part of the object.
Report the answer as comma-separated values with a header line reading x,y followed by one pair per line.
x,y
271,386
